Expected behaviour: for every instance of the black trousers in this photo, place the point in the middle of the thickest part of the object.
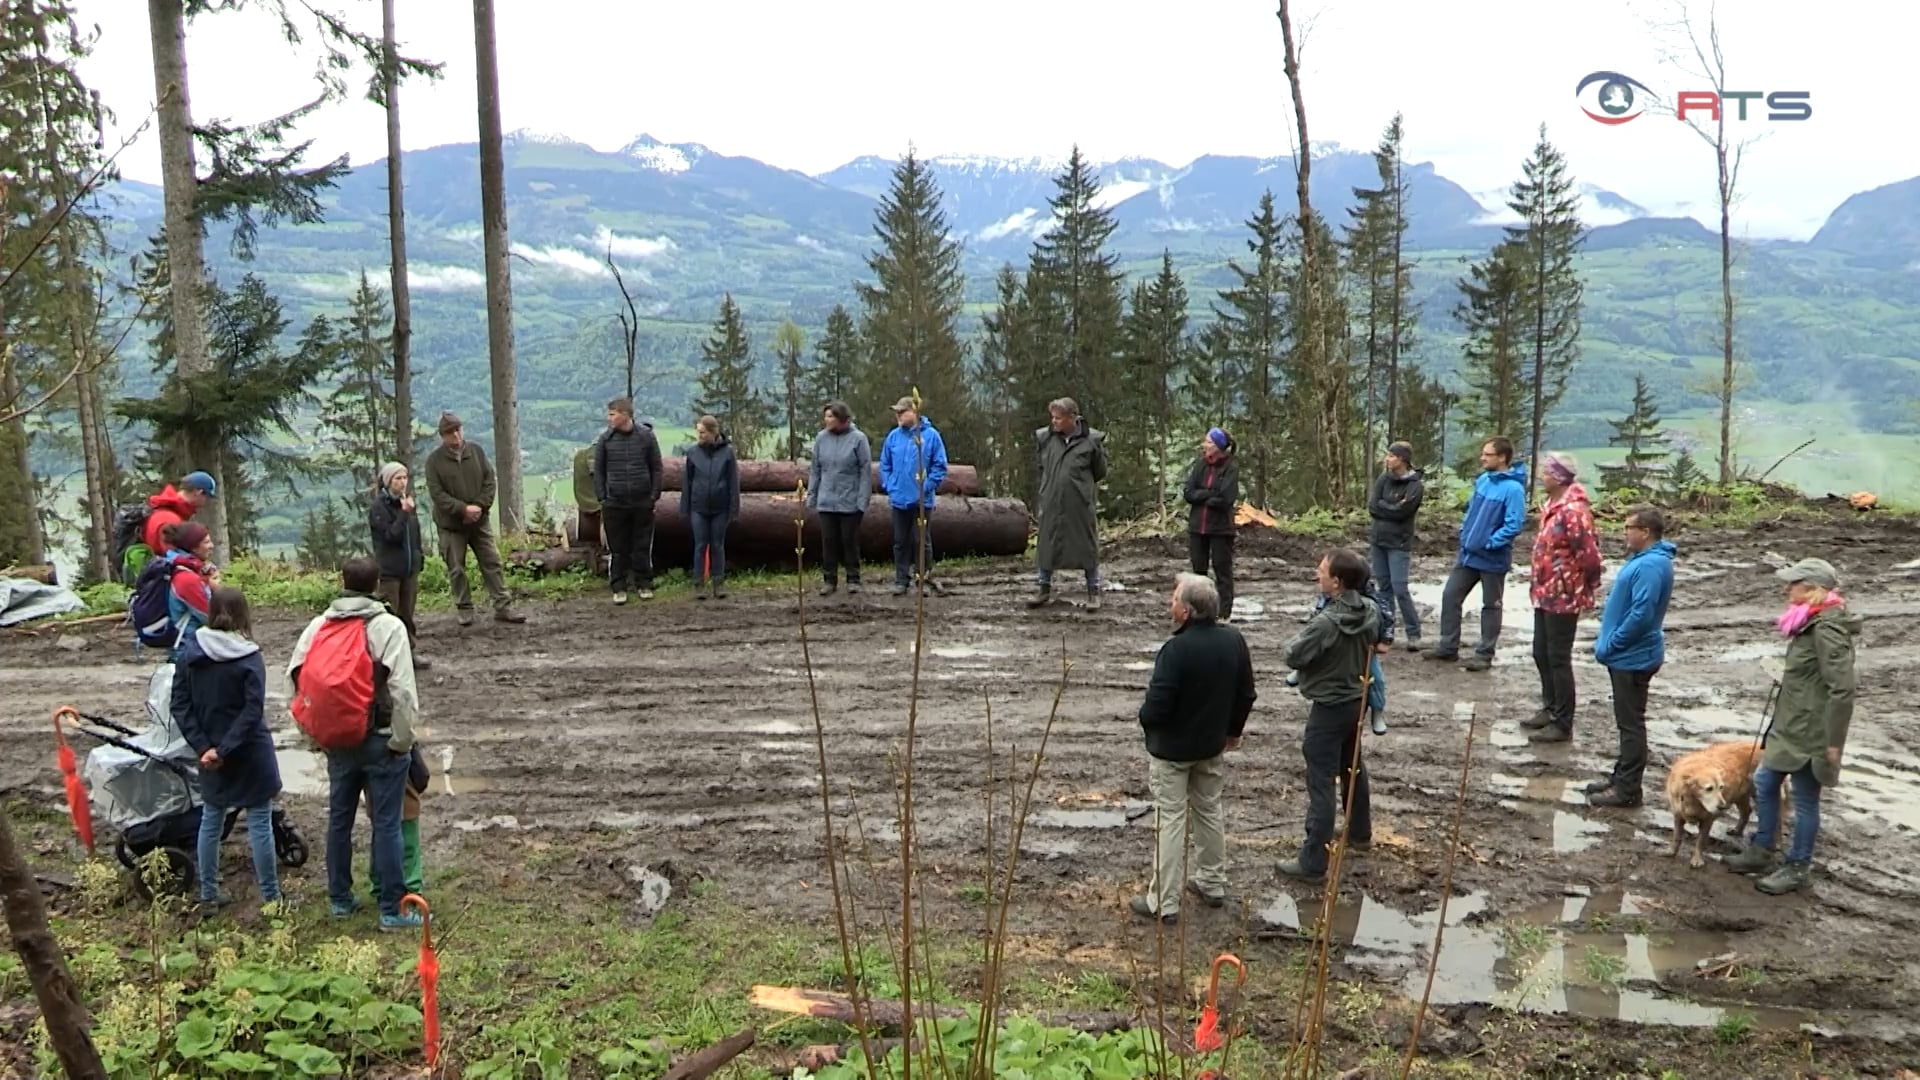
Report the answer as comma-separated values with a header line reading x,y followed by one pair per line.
x,y
1216,550
1630,716
630,543
906,564
1329,743
1553,658
840,546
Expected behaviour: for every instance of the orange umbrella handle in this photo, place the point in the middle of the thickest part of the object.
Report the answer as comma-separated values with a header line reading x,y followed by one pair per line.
x,y
415,900
1213,987
60,736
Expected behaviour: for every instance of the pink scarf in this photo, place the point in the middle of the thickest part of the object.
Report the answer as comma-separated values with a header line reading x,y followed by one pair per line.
x,y
1797,616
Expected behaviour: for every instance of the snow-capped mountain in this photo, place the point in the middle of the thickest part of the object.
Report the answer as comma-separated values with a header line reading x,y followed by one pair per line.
x,y
1598,207
664,157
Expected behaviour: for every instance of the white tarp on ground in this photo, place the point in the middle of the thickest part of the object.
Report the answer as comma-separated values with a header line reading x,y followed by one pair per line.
x,y
128,787
22,599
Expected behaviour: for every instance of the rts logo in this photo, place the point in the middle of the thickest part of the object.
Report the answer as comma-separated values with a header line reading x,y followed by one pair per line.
x,y
1618,102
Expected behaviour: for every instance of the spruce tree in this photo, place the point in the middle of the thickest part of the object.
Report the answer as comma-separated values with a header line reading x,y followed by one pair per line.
x,y
910,313
1321,431
836,359
726,383
1211,393
328,539
1155,356
1546,243
1420,415
1685,477
357,415
1639,431
788,346
1074,285
1376,252
1493,297
1252,316
1004,360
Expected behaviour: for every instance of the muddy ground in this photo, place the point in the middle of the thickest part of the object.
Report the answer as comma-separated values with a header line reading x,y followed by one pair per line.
x,y
683,732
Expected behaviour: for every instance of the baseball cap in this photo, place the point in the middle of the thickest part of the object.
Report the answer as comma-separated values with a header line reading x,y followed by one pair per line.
x,y
200,481
903,405
1812,571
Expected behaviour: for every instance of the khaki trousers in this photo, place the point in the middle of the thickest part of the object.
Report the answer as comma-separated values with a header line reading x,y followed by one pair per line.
x,y
1182,789
453,548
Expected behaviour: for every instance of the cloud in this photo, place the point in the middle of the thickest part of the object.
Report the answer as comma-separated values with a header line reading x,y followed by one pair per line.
x,y
628,247
425,277
1009,225
464,234
564,259
810,242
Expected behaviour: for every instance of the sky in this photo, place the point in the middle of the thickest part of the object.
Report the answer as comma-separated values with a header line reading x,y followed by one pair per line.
x,y
811,86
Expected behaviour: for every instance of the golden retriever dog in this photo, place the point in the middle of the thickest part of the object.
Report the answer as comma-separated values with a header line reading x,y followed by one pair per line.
x,y
1702,784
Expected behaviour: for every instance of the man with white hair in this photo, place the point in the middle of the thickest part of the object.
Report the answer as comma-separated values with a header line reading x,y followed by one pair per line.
x,y
1195,711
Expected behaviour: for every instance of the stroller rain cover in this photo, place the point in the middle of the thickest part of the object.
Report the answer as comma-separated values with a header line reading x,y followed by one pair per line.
x,y
129,788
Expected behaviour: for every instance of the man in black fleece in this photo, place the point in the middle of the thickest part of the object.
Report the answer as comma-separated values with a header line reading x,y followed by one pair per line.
x,y
627,473
1195,711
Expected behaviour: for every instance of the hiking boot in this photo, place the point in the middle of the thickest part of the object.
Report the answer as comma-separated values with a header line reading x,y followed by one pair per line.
x,y
1041,598
1541,718
1476,662
1442,657
900,590
1414,644
1143,907
719,592
508,615
830,588
1294,868
699,591
1751,859
619,598
1093,600
1595,787
1552,733
1614,797
1790,877
466,616
645,594
1212,900
406,920
853,587
1379,724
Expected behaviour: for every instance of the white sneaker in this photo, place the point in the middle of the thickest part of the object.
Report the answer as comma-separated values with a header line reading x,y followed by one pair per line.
x,y
619,598
646,594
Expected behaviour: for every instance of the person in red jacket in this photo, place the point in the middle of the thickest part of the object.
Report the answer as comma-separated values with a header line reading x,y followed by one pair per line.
x,y
174,507
1566,571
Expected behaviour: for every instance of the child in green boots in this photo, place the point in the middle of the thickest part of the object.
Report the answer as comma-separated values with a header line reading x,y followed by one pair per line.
x,y
417,778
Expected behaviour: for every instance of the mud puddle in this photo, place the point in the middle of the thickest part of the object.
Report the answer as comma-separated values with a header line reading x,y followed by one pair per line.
x,y
1104,817
1877,782
1594,957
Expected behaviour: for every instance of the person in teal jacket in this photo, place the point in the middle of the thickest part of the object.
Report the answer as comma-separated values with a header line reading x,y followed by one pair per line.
x,y
1495,515
1632,645
913,461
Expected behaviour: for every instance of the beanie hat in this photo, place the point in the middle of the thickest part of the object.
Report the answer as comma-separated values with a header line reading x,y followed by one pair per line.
x,y
189,536
449,423
1562,467
388,472
1402,450
1220,439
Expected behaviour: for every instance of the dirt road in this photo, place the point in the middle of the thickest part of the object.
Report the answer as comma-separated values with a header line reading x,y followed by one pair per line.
x,y
684,730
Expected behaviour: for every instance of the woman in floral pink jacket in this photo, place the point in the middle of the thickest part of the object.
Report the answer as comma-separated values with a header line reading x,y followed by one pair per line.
x,y
1566,573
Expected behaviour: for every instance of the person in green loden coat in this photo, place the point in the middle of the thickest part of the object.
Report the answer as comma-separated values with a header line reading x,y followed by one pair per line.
x,y
1810,721
1072,460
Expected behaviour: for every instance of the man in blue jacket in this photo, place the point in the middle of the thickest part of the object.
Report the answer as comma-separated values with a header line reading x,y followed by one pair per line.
x,y
1632,645
913,461
1495,516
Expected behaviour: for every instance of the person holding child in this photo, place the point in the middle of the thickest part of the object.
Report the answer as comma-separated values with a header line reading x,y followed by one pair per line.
x,y
1376,678
219,703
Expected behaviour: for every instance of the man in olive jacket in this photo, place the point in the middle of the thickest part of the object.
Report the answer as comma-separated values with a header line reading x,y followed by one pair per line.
x,y
1332,653
460,479
1072,459
1810,721
1195,711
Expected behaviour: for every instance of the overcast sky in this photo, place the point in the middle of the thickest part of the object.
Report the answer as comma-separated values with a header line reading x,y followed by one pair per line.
x,y
811,85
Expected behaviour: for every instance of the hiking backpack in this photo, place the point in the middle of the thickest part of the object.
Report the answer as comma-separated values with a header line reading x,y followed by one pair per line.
x,y
130,551
334,701
150,608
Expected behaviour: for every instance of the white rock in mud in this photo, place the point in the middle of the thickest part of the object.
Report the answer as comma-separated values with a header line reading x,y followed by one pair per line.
x,y
651,890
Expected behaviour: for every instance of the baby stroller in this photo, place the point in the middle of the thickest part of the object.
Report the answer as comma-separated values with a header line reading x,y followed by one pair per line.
x,y
147,785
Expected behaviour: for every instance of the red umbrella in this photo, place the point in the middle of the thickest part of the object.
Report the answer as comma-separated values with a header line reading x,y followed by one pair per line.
x,y
1206,1034
429,969
76,791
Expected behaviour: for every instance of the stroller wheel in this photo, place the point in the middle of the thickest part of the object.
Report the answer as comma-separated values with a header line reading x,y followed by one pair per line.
x,y
293,849
173,877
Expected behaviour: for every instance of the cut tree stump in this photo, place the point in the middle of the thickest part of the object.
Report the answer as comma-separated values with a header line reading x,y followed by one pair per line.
x,y
784,476
828,1005
701,1065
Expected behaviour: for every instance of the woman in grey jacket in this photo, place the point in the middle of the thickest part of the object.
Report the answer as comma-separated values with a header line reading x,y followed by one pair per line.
x,y
839,484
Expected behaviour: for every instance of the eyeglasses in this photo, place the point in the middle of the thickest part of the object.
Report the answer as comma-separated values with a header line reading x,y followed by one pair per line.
x,y
1636,528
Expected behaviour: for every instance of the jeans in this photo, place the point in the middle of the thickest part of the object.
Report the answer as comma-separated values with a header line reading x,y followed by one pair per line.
x,y
1217,550
1493,589
1376,687
403,595
1806,810
266,866
1330,745
1045,577
409,858
630,543
454,544
1630,716
709,547
1553,657
1390,569
906,523
1180,788
840,546
382,776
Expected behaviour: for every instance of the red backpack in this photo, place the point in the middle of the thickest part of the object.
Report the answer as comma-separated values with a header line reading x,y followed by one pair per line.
x,y
334,702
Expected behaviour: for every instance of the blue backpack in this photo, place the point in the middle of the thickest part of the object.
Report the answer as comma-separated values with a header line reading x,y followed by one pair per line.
x,y
150,609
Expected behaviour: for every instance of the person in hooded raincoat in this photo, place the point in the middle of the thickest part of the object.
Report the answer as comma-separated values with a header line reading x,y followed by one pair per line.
x,y
1072,460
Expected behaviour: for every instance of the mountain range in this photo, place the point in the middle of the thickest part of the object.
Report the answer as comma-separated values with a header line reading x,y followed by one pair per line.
x,y
1833,319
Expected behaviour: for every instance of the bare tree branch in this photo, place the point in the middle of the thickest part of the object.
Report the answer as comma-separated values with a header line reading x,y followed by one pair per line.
x,y
87,186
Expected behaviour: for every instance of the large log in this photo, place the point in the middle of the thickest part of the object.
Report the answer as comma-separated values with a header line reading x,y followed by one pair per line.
x,y
784,476
762,536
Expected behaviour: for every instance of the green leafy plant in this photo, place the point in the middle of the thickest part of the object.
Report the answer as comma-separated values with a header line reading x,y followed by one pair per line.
x,y
1024,1048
